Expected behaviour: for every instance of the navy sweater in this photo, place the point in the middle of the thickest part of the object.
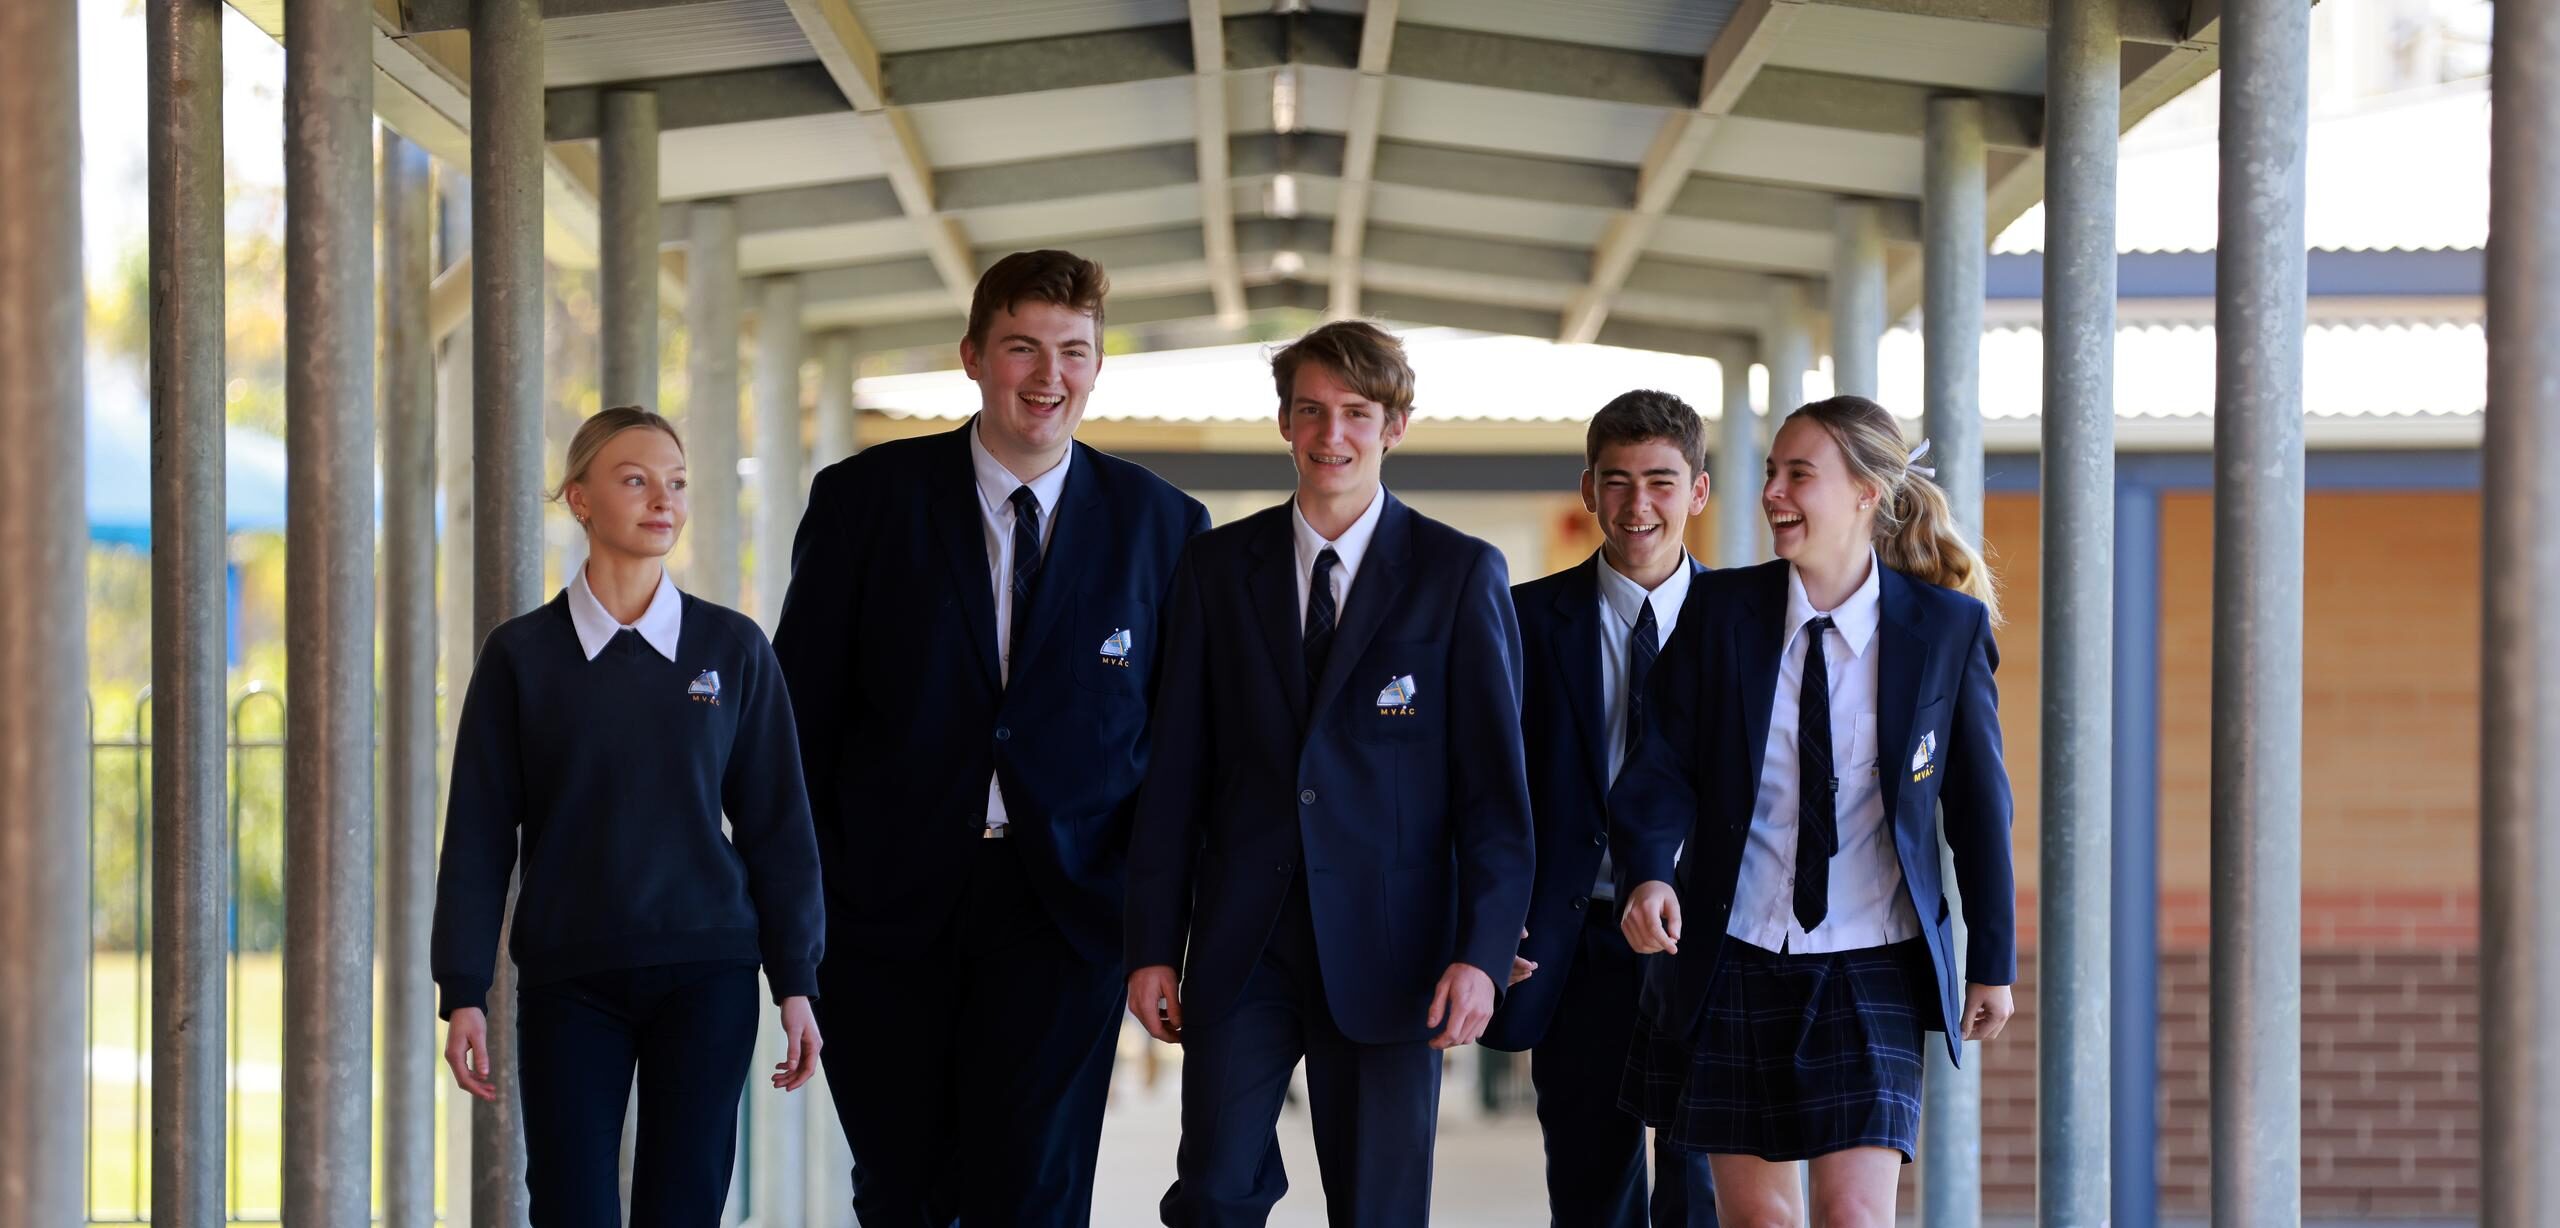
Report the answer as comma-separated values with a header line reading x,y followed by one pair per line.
x,y
616,773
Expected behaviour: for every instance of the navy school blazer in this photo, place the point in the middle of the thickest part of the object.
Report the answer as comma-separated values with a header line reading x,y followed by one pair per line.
x,y
887,639
1938,740
1567,734
1407,814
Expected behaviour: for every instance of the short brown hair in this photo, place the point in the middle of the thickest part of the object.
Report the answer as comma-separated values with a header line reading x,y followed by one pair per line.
x,y
1362,355
597,430
1643,415
1044,276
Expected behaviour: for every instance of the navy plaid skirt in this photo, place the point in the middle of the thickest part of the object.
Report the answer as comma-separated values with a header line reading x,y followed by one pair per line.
x,y
1795,1056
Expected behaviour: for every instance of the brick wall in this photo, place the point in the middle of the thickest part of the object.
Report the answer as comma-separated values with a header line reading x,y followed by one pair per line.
x,y
2390,863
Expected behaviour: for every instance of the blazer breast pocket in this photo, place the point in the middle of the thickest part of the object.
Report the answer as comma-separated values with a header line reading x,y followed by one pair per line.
x,y
1111,648
1398,691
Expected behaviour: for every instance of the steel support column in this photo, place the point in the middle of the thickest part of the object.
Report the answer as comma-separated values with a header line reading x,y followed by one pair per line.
x,y
1735,489
779,487
835,399
189,661
1857,296
410,1049
44,735
629,153
2520,658
1786,347
506,477
2259,277
329,600
1954,236
2083,80
455,615
711,411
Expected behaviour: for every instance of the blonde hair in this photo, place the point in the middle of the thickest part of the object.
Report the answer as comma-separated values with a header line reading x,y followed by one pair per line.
x,y
1915,529
599,429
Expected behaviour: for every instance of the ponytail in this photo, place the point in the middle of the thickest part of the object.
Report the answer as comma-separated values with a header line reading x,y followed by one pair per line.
x,y
1915,529
1923,543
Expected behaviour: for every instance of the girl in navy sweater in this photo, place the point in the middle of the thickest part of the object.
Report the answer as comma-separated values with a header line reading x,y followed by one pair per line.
x,y
1816,728
605,736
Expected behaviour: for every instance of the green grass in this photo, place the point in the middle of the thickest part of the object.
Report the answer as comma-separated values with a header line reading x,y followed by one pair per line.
x,y
119,1109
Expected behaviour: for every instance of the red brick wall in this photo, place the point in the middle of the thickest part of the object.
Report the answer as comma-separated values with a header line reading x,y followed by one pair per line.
x,y
2390,1005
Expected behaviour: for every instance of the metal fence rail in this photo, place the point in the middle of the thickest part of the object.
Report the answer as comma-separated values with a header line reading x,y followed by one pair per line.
x,y
116,1179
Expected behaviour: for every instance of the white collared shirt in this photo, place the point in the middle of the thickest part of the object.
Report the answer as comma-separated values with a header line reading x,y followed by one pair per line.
x,y
1869,907
662,624
996,485
1622,602
1348,550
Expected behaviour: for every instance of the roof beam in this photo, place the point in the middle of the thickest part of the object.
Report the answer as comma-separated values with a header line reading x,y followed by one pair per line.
x,y
1736,56
2157,22
1360,157
744,96
1217,200
1890,108
422,16
851,59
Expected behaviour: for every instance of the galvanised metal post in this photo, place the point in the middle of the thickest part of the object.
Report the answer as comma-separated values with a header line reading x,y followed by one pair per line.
x,y
2082,102
329,600
835,399
779,492
2520,657
506,477
409,1042
629,281
1953,224
711,309
1857,296
1735,489
1786,346
44,736
2259,289
189,661
461,643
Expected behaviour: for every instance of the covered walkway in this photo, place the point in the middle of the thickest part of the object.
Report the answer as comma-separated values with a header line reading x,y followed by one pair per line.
x,y
1766,182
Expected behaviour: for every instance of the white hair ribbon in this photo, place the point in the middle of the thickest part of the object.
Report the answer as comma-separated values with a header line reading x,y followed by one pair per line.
x,y
1912,462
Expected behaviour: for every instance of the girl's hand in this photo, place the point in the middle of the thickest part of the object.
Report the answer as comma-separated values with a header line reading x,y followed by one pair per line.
x,y
1986,1010
800,1045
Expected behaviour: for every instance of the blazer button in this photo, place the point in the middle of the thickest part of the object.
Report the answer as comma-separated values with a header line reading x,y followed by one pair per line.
x,y
1600,841
1003,734
1580,900
1306,797
1282,868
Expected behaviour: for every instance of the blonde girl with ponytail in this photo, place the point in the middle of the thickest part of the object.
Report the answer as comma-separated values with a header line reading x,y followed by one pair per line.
x,y
1812,733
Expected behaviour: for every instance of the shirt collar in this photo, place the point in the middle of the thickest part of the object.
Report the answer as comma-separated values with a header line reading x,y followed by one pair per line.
x,y
996,483
1626,598
661,624
1856,617
1347,548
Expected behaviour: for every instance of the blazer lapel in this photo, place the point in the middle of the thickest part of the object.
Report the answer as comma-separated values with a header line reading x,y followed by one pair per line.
x,y
1274,581
961,524
1373,593
1575,637
1759,636
1898,673
1076,541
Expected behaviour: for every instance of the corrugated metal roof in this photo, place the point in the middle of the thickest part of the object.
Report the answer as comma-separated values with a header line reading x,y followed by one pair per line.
x,y
2351,373
2409,171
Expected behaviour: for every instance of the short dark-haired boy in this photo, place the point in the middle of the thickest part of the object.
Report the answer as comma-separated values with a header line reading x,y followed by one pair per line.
x,y
1590,634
